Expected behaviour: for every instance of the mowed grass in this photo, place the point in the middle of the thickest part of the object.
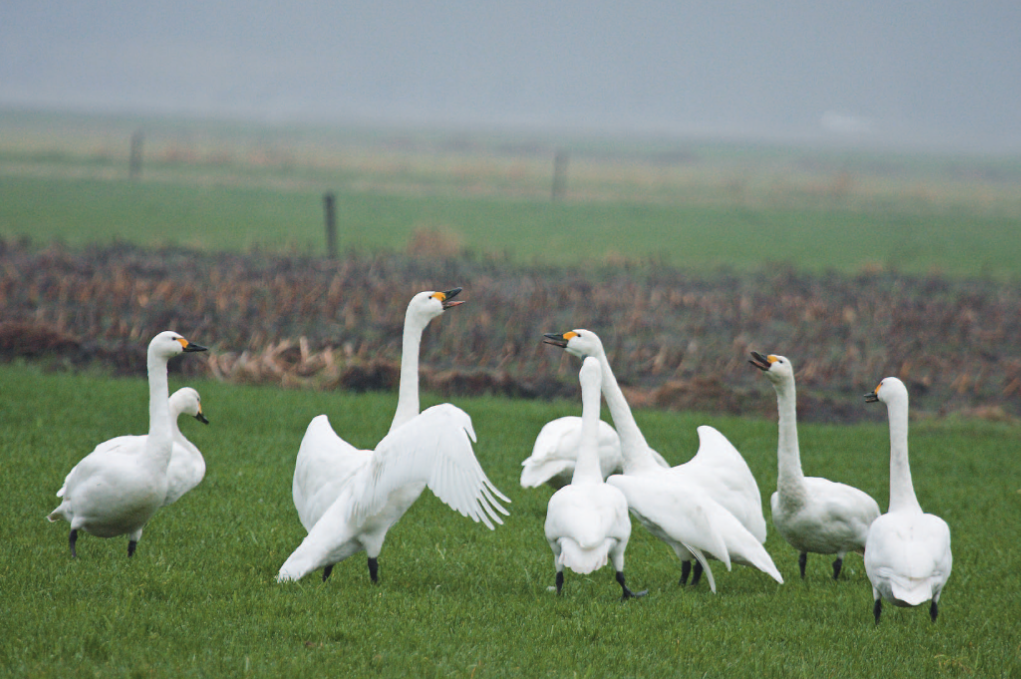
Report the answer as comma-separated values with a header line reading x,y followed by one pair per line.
x,y
456,600
813,237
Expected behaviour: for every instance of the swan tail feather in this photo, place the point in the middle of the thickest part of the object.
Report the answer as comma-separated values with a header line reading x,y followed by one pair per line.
x,y
583,561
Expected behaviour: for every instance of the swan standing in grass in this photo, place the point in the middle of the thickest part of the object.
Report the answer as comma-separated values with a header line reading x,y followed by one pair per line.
x,y
587,521
907,553
187,466
116,489
813,514
325,461
688,506
358,494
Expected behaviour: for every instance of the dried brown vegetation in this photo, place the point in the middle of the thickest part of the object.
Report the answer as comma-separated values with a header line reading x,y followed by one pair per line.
x,y
676,339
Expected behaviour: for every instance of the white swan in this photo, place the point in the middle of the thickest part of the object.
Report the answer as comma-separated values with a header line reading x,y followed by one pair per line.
x,y
680,505
907,552
556,448
432,449
116,489
187,466
330,474
813,514
325,461
587,521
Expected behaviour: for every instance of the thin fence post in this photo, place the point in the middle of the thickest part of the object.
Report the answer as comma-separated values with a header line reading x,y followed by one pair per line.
x,y
135,160
559,175
331,225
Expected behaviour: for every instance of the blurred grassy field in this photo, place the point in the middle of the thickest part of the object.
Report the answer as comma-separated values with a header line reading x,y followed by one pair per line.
x,y
700,205
199,597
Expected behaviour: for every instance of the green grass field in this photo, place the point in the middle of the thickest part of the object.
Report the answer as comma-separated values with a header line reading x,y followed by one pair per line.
x,y
455,600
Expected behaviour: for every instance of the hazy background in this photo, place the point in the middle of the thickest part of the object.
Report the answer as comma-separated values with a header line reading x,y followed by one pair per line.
x,y
941,72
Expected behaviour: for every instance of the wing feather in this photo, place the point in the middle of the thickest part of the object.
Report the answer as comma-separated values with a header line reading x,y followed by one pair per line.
x,y
434,448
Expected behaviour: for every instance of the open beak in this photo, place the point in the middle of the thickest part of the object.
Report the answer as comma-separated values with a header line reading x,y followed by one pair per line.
x,y
449,295
201,418
759,361
555,339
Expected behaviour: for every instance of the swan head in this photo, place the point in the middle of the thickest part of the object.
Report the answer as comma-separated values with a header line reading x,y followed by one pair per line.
x,y
168,344
427,305
777,368
580,343
889,390
186,401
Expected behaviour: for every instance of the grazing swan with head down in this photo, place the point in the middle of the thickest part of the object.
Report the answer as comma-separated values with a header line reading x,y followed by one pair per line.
x,y
812,514
329,470
587,520
118,487
697,507
187,466
907,552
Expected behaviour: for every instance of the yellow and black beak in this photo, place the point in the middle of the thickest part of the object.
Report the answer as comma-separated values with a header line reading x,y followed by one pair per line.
x,y
559,340
873,396
190,346
761,362
448,295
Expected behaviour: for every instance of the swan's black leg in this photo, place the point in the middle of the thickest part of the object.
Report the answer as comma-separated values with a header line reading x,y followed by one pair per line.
x,y
627,593
132,545
327,571
373,570
877,609
73,538
836,567
685,572
696,576
560,581
933,610
802,560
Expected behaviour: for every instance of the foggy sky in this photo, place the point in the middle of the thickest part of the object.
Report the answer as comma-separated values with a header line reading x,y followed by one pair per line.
x,y
940,70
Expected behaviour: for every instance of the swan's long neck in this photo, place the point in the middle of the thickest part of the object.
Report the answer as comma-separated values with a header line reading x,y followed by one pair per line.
x,y
407,394
160,440
587,468
902,491
633,447
789,479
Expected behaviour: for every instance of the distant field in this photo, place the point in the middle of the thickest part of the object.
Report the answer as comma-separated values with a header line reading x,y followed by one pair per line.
x,y
456,600
701,206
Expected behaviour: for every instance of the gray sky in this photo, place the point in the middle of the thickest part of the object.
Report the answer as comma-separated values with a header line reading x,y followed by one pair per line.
x,y
914,70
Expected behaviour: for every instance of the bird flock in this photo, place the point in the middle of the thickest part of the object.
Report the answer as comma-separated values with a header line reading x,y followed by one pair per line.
x,y
708,510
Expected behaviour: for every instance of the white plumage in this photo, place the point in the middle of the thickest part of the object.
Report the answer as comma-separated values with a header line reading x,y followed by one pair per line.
x,y
118,487
675,504
432,450
907,552
813,514
587,521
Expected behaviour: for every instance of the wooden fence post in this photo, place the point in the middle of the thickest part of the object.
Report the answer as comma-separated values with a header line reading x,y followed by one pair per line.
x,y
331,225
135,161
559,175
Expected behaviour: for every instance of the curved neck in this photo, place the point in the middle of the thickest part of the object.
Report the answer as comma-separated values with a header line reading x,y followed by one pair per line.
x,y
788,454
902,491
160,440
407,393
587,468
633,447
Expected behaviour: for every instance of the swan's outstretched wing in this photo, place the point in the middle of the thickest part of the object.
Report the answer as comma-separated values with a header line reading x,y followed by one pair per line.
x,y
325,461
434,448
720,470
